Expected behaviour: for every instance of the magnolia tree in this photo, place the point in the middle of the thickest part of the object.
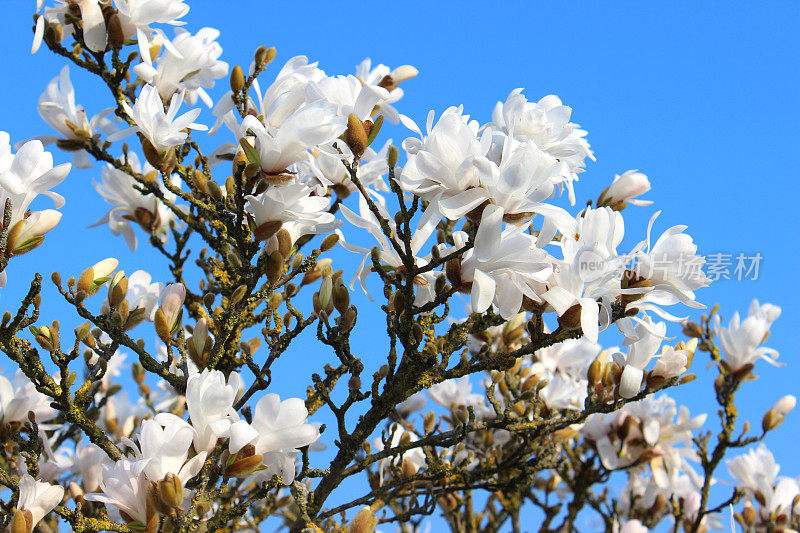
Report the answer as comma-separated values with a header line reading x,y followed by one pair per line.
x,y
478,417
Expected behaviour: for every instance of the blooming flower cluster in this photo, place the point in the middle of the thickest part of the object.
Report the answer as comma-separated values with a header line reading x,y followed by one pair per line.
x,y
525,402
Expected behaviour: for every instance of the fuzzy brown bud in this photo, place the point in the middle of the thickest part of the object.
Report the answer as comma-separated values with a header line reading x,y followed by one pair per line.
x,y
355,135
237,79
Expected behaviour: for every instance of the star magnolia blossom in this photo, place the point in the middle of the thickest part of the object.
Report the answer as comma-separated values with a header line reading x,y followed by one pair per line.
x,y
19,396
367,220
209,402
673,268
123,490
653,430
502,267
93,24
382,76
547,124
189,64
89,461
38,498
142,294
279,147
741,340
136,16
163,130
284,96
129,205
328,170
24,176
164,445
647,341
440,165
348,94
624,189
294,205
58,108
277,430
455,392
757,473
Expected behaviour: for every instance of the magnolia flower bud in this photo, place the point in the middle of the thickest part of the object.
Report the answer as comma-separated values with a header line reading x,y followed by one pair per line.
x,y
775,416
22,522
355,135
275,267
117,289
95,276
329,242
624,188
170,490
200,342
237,79
364,522
264,56
392,155
172,303
28,233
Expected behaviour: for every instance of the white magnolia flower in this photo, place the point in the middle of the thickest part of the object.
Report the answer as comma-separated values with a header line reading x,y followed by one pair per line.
x,y
283,97
755,470
424,283
348,94
89,461
163,130
591,270
328,170
164,444
642,347
295,206
142,294
413,458
119,415
453,393
673,268
93,23
58,108
278,146
564,392
547,124
136,16
23,176
129,205
741,340
502,267
441,164
653,429
382,76
624,189
277,430
123,488
19,396
38,498
209,401
413,403
190,64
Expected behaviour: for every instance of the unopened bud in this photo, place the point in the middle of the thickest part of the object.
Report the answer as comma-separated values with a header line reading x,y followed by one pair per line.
x,y
329,242
355,135
170,490
237,79
274,268
364,522
392,156
238,294
264,56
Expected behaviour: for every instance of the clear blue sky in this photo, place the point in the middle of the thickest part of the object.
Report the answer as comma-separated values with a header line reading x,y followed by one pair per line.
x,y
700,96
